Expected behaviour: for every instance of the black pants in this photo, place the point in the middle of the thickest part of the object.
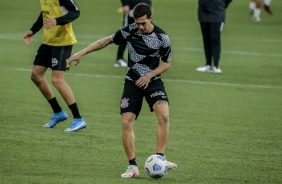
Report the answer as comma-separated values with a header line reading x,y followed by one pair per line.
x,y
212,44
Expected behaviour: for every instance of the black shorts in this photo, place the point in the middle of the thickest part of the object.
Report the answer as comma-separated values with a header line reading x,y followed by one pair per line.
x,y
53,57
132,97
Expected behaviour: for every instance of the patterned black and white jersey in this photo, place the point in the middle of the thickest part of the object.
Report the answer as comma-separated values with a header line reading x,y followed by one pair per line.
x,y
144,50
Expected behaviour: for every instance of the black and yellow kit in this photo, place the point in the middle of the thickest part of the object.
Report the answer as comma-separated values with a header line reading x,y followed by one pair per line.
x,y
64,11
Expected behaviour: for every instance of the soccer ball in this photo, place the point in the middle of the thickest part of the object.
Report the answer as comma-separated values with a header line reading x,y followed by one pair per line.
x,y
156,166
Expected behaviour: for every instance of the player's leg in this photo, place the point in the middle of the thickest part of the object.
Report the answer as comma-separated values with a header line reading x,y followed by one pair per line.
x,y
157,99
252,6
131,103
128,140
38,78
128,137
215,32
162,111
258,3
41,63
257,10
59,56
58,80
205,28
266,7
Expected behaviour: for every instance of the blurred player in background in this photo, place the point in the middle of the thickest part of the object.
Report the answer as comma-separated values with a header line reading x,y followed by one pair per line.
x,y
58,38
127,9
211,15
147,44
256,6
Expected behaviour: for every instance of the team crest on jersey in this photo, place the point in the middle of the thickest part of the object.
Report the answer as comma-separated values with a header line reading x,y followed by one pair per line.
x,y
124,103
54,62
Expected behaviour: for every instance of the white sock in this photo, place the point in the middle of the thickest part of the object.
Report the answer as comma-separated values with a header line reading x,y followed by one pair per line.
x,y
257,13
267,2
252,5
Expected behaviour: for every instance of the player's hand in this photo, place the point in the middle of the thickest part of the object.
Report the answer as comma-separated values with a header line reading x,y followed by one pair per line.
x,y
27,37
76,57
143,81
50,22
125,9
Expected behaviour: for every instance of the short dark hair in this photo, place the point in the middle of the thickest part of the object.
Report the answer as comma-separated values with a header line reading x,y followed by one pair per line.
x,y
142,9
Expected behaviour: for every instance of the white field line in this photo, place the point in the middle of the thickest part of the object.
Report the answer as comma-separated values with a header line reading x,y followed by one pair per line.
x,y
233,52
94,37
171,80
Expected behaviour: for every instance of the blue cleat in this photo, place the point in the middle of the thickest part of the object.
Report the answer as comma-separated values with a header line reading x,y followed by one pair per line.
x,y
56,118
77,124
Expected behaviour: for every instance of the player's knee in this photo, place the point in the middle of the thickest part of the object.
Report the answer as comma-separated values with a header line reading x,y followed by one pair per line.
x,y
164,119
57,82
35,79
125,122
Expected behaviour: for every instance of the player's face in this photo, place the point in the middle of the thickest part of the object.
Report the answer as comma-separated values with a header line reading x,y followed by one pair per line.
x,y
144,24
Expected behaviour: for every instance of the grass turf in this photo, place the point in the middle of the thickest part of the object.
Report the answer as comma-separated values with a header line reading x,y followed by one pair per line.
x,y
224,128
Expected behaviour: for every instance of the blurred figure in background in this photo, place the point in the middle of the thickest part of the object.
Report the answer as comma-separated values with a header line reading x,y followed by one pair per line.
x,y
127,10
211,14
256,6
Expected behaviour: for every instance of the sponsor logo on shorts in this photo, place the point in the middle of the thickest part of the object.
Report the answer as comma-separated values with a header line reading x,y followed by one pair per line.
x,y
158,93
124,103
54,62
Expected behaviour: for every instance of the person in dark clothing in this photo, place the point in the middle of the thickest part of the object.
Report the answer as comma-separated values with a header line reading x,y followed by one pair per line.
x,y
211,15
147,45
127,9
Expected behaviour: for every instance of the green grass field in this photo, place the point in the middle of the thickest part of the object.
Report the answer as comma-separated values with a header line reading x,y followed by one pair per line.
x,y
224,128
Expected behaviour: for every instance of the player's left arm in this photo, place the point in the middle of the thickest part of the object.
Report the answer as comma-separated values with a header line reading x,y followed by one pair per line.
x,y
144,80
70,10
165,53
163,67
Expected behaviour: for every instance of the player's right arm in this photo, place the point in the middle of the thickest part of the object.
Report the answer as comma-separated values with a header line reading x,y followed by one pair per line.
x,y
100,44
34,29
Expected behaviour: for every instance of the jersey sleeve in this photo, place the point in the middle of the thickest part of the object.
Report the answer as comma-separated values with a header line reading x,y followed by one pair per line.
x,y
121,35
37,25
70,11
165,49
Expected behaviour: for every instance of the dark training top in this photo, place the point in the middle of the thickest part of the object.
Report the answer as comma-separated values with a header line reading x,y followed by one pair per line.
x,y
212,10
144,50
133,3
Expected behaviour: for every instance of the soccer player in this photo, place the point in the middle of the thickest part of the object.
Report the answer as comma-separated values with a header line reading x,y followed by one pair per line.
x,y
211,15
58,38
256,6
127,9
147,44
